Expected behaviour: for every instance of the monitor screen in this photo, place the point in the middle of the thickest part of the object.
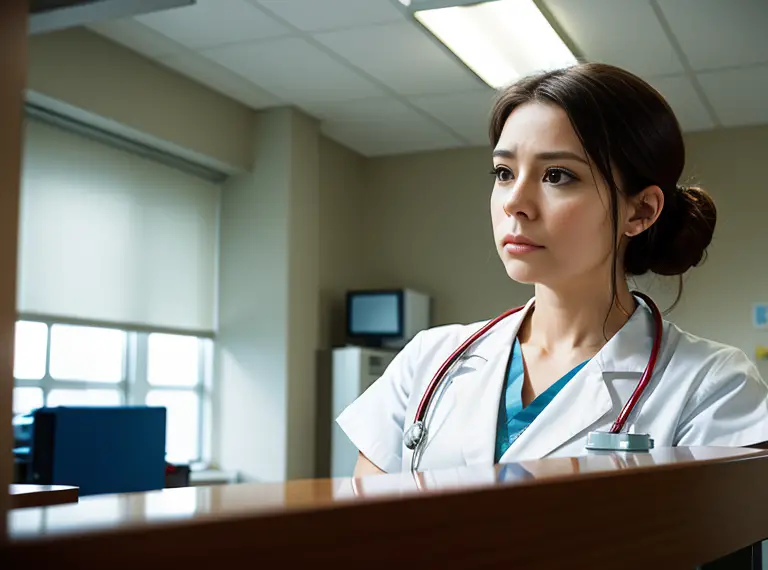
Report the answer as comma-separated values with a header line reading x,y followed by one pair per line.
x,y
375,313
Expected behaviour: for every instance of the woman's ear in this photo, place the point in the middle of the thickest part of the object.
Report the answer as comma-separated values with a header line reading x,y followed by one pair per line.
x,y
643,209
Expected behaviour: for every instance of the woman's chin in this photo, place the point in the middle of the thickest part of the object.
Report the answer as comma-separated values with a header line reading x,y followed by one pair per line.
x,y
523,272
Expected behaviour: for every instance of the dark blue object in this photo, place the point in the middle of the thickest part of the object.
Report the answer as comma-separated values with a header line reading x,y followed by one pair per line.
x,y
99,449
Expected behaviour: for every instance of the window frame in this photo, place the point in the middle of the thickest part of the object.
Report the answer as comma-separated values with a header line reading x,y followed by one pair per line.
x,y
134,385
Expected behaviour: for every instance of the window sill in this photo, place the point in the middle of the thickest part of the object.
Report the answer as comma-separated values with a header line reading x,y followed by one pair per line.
x,y
205,477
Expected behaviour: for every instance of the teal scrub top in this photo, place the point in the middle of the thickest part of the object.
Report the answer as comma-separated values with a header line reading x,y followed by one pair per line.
x,y
513,418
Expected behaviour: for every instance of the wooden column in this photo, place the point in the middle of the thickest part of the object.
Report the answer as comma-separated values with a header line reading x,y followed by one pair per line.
x,y
13,71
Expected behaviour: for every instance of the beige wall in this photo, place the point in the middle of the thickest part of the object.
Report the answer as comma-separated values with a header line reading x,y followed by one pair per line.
x,y
343,219
82,70
269,305
718,296
428,227
304,296
251,361
343,265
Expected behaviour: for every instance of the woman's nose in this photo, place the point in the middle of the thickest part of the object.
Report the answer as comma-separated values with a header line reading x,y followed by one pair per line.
x,y
520,201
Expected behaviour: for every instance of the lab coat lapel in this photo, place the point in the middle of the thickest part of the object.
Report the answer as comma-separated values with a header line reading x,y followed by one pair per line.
x,y
481,395
586,399
581,403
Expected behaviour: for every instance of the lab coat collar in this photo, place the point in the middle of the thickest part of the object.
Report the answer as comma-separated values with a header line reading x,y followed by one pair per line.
x,y
630,349
501,336
579,405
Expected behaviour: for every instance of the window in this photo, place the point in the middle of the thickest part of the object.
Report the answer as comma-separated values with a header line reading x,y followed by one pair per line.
x,y
86,397
89,354
60,364
173,364
31,347
182,439
27,399
172,360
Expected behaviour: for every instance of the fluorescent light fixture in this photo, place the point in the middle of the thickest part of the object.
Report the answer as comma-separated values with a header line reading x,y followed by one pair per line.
x,y
500,40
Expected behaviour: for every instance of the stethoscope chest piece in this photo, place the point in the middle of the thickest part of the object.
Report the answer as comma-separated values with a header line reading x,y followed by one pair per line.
x,y
606,441
414,434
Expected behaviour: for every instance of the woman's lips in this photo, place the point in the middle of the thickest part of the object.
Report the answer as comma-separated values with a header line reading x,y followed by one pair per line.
x,y
519,245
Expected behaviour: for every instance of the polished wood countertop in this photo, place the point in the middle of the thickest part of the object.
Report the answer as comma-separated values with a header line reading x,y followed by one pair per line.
x,y
696,503
25,496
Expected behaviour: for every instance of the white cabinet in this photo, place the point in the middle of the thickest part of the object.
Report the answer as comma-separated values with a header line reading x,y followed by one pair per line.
x,y
353,370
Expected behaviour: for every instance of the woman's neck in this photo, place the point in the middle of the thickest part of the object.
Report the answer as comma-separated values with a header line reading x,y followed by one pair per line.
x,y
575,319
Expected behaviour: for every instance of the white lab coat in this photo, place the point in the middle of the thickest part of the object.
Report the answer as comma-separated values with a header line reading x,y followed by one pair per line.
x,y
702,393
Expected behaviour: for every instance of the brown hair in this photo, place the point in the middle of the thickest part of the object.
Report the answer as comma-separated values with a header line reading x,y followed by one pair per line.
x,y
626,127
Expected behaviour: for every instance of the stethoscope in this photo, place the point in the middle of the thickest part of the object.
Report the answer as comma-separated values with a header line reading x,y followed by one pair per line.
x,y
613,440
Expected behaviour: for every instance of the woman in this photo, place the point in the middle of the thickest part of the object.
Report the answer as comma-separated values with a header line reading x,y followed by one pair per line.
x,y
586,164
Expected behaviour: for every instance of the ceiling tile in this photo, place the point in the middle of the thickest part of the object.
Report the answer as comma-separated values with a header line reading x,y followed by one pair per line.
x,y
313,16
466,113
295,71
222,80
137,37
738,95
402,57
685,102
376,127
717,33
210,23
625,33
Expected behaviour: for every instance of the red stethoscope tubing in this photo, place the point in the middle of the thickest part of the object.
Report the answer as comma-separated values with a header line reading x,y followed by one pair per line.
x,y
645,379
617,426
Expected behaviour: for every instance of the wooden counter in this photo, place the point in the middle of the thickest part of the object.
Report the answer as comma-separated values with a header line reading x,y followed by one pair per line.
x,y
670,508
25,496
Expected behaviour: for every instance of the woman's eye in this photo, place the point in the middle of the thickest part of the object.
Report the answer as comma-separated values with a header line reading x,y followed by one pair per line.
x,y
502,174
558,177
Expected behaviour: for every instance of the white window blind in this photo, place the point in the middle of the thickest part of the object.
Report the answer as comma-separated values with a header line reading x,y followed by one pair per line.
x,y
109,236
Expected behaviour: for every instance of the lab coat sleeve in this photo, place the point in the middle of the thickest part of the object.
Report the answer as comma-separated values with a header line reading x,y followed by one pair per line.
x,y
374,421
729,408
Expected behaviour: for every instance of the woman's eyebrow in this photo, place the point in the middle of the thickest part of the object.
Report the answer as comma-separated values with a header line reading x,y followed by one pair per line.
x,y
553,155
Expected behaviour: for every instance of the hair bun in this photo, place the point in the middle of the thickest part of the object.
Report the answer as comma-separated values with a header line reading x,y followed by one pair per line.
x,y
685,234
679,238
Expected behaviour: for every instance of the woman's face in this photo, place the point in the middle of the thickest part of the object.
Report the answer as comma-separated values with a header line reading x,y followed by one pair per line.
x,y
551,216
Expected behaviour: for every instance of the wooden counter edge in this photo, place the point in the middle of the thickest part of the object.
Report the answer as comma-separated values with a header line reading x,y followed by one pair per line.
x,y
668,517
42,495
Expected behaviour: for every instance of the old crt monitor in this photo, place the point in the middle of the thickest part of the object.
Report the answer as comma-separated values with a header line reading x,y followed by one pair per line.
x,y
386,318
